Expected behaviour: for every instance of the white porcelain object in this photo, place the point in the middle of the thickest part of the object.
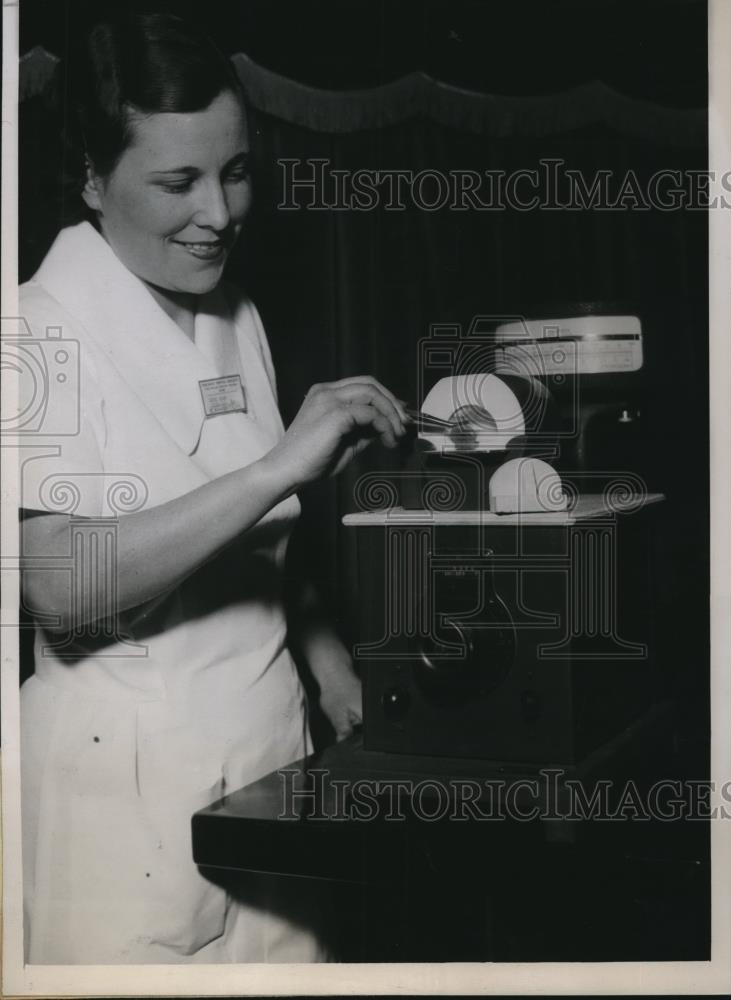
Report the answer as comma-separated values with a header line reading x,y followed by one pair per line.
x,y
525,485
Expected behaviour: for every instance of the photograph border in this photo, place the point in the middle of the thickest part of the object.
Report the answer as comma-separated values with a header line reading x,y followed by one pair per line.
x,y
679,978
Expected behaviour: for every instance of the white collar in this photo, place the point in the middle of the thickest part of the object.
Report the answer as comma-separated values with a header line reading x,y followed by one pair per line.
x,y
119,313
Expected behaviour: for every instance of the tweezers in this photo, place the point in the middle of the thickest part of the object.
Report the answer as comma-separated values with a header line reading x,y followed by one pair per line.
x,y
427,421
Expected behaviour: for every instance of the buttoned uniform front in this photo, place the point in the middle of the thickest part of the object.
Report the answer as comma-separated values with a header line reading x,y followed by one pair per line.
x,y
125,733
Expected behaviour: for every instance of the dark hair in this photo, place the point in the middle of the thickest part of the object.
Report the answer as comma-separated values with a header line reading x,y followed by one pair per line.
x,y
138,62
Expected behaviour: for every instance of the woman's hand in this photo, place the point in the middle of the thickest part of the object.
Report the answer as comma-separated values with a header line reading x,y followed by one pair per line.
x,y
335,422
311,632
341,700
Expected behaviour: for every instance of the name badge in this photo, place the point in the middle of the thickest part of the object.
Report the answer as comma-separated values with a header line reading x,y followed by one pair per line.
x,y
223,395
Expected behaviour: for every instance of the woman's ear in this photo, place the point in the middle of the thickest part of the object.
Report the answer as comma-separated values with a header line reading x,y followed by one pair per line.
x,y
92,187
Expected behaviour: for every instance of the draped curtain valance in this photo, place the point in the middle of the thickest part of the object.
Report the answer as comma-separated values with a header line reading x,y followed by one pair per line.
x,y
418,95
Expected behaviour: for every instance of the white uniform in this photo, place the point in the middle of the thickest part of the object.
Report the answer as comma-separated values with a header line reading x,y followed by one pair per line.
x,y
126,735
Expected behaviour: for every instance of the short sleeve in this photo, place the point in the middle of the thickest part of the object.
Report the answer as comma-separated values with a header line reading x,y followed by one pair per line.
x,y
60,412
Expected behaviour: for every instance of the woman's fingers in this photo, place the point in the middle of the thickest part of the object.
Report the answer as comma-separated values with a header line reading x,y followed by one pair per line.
x,y
364,415
370,393
335,422
397,403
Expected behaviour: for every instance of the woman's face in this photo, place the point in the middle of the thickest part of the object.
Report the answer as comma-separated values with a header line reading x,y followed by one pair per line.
x,y
174,204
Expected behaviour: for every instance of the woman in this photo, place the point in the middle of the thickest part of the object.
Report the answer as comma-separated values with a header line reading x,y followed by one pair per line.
x,y
162,675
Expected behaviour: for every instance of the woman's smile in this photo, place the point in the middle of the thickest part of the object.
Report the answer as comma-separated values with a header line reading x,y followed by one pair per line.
x,y
206,250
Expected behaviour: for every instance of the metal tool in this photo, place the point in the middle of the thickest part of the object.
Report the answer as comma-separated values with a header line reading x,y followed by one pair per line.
x,y
428,422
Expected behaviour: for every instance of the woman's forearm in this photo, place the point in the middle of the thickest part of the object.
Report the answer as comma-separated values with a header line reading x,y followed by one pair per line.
x,y
314,635
341,696
156,548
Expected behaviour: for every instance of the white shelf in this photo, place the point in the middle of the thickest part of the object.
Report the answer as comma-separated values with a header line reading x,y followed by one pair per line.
x,y
587,506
